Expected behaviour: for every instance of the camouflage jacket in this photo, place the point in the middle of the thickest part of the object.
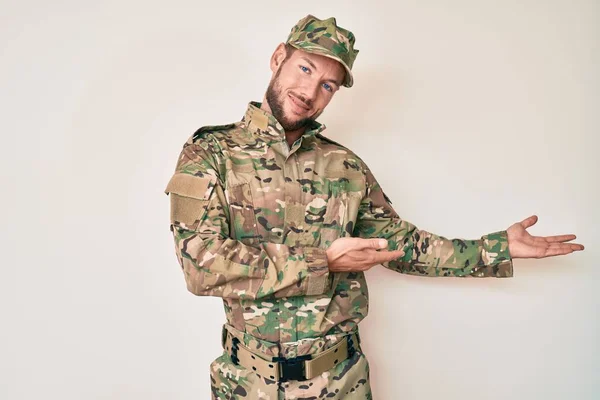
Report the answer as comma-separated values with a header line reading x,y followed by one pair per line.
x,y
252,219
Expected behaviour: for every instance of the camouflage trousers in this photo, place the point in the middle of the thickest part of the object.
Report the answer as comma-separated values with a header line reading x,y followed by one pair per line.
x,y
347,380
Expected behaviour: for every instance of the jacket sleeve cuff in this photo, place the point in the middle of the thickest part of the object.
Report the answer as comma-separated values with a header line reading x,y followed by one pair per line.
x,y
495,257
318,278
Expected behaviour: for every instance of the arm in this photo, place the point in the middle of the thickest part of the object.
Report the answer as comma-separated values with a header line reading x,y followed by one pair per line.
x,y
213,263
426,253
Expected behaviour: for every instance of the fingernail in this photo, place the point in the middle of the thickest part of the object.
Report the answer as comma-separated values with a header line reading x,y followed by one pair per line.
x,y
382,243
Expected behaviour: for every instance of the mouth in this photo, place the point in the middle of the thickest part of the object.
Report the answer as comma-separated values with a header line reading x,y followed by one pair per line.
x,y
298,106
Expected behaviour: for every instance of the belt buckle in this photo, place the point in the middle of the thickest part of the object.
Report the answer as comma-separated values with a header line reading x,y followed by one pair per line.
x,y
292,368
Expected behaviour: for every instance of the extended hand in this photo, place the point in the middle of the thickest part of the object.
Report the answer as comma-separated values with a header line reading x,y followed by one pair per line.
x,y
357,254
522,245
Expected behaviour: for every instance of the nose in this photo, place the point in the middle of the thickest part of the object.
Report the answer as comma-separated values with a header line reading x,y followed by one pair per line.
x,y
309,92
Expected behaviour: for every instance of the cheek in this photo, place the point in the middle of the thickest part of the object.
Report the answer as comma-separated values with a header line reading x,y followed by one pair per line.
x,y
323,100
289,81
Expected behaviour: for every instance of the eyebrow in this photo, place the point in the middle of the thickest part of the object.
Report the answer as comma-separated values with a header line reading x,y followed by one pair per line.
x,y
310,62
316,69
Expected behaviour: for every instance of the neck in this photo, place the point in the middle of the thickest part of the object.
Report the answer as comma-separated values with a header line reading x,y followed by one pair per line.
x,y
290,136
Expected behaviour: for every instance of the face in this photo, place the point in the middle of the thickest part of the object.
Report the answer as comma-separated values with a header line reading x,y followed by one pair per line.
x,y
301,86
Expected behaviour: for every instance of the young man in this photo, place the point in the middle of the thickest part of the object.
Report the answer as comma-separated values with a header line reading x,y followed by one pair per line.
x,y
281,222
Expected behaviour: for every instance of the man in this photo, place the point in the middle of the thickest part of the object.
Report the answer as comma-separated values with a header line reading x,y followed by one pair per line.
x,y
281,222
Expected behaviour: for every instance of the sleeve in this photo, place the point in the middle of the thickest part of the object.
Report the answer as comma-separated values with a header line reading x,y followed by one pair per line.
x,y
426,253
213,263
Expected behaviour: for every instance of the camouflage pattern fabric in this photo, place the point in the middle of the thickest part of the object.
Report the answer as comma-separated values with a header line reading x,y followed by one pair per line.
x,y
326,38
252,219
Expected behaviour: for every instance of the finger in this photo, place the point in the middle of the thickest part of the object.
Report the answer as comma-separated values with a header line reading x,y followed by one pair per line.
x,y
572,246
365,263
557,249
529,221
385,256
554,239
556,252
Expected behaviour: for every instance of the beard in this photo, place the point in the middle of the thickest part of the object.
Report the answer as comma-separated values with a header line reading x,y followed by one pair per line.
x,y
275,98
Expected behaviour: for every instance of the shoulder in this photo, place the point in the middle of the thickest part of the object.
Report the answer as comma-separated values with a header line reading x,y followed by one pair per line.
x,y
203,149
330,142
208,132
209,138
333,145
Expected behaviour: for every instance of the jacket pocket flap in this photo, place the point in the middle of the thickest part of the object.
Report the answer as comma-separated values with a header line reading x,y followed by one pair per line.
x,y
187,185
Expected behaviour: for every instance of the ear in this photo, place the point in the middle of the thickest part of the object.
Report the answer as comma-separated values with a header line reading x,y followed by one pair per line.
x,y
278,57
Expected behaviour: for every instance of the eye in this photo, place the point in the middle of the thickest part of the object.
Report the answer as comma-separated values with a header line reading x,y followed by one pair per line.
x,y
328,87
304,69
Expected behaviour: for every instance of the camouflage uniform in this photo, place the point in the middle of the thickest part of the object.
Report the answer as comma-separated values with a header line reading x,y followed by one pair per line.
x,y
252,219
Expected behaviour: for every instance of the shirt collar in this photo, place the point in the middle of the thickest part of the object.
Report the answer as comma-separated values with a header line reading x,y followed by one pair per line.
x,y
265,125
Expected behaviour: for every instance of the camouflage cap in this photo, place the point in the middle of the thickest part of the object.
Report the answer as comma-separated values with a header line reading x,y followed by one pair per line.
x,y
325,38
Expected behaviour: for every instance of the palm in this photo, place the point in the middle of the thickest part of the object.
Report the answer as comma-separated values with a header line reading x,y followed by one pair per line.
x,y
523,245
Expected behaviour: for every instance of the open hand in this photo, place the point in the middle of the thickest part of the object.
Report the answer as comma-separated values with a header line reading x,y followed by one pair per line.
x,y
358,254
522,245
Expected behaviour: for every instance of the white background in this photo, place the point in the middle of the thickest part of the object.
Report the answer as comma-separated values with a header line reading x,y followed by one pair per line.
x,y
473,115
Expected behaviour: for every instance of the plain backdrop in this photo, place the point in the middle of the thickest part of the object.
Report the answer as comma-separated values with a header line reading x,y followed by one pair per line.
x,y
473,115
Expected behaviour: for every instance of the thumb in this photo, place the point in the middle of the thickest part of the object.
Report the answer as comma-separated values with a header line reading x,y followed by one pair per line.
x,y
376,244
529,221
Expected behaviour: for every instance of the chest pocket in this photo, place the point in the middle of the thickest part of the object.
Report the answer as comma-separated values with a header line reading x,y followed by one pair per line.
x,y
189,196
346,189
242,223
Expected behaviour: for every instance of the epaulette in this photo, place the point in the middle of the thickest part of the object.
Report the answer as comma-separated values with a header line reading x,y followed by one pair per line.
x,y
210,129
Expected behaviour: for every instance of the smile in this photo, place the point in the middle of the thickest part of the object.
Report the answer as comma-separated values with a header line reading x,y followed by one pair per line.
x,y
299,106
